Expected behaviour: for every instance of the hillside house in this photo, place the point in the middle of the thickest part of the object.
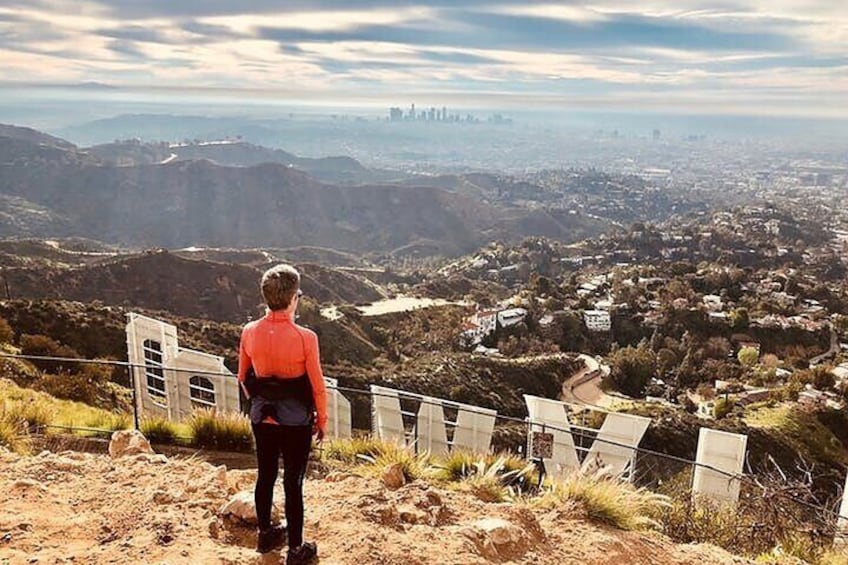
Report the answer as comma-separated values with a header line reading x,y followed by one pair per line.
x,y
482,324
713,303
597,320
511,317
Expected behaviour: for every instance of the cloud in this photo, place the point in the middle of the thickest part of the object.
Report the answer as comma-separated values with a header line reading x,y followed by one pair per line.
x,y
609,50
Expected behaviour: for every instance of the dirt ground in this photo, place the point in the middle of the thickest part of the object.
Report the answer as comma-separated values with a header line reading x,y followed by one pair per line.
x,y
72,507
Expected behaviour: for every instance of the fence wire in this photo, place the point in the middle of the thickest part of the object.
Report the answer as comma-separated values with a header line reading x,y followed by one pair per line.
x,y
766,510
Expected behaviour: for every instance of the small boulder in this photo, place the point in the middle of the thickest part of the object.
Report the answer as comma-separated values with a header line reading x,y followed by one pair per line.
x,y
500,531
128,442
393,477
242,507
496,538
411,515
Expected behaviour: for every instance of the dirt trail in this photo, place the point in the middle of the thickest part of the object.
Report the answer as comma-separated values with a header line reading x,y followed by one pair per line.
x,y
82,508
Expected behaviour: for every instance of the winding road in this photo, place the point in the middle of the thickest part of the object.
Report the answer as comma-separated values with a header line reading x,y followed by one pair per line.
x,y
834,348
584,386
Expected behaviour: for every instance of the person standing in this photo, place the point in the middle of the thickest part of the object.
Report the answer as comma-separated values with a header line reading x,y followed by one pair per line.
x,y
280,372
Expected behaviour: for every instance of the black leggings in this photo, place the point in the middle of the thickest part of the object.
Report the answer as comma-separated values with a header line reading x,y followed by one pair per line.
x,y
293,442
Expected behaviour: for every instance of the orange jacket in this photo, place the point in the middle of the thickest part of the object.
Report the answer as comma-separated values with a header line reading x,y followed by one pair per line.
x,y
277,347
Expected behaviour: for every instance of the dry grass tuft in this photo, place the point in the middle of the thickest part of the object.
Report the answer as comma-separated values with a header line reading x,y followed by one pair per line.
x,y
226,431
608,500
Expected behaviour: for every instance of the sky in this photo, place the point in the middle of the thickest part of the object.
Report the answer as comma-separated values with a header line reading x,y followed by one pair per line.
x,y
784,58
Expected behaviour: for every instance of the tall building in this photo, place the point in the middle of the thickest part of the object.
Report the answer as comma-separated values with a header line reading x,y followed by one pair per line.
x,y
657,135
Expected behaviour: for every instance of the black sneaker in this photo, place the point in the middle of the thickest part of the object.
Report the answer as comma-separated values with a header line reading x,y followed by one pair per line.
x,y
302,554
269,539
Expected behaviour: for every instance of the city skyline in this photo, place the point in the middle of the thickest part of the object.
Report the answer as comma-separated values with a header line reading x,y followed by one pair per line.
x,y
782,58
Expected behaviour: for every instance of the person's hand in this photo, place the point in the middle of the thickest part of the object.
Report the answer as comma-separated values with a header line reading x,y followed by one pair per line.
x,y
318,432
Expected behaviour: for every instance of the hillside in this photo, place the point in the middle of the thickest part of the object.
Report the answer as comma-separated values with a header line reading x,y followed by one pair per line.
x,y
60,190
84,508
159,280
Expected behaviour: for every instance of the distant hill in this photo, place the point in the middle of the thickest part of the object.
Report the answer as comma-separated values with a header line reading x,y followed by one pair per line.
x,y
231,154
32,136
163,281
68,192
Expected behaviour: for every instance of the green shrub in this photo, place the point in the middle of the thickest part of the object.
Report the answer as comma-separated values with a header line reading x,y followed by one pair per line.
x,y
13,434
722,408
109,422
226,431
34,414
493,478
158,430
455,466
414,466
354,450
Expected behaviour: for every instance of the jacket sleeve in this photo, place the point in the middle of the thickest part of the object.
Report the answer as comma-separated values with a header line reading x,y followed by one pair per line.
x,y
316,379
244,359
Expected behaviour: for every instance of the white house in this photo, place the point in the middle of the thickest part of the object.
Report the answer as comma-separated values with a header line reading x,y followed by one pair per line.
x,y
713,302
512,316
597,320
480,325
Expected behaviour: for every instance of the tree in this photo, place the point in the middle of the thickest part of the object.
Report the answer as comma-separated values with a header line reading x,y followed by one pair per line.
x,y
770,361
6,332
748,356
722,408
717,348
705,391
631,368
43,346
739,318
666,360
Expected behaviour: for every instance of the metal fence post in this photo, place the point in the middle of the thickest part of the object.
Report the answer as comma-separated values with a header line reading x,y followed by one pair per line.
x,y
131,373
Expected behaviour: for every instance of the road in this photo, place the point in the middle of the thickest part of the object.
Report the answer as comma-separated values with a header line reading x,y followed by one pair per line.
x,y
834,348
584,386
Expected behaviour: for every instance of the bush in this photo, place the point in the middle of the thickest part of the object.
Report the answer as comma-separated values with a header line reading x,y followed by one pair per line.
x,y
354,450
109,422
631,369
414,466
13,434
34,415
722,408
7,335
608,500
158,430
226,431
498,479
43,346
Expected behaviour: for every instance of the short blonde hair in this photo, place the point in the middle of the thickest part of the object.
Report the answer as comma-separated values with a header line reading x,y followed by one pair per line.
x,y
279,285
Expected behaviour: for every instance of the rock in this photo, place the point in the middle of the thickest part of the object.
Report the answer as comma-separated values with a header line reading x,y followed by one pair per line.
x,y
412,515
499,531
496,538
393,477
62,463
165,497
214,528
221,475
128,442
242,507
152,458
338,476
28,484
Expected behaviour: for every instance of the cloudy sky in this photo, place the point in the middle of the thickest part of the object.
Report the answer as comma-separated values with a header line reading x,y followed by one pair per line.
x,y
778,57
